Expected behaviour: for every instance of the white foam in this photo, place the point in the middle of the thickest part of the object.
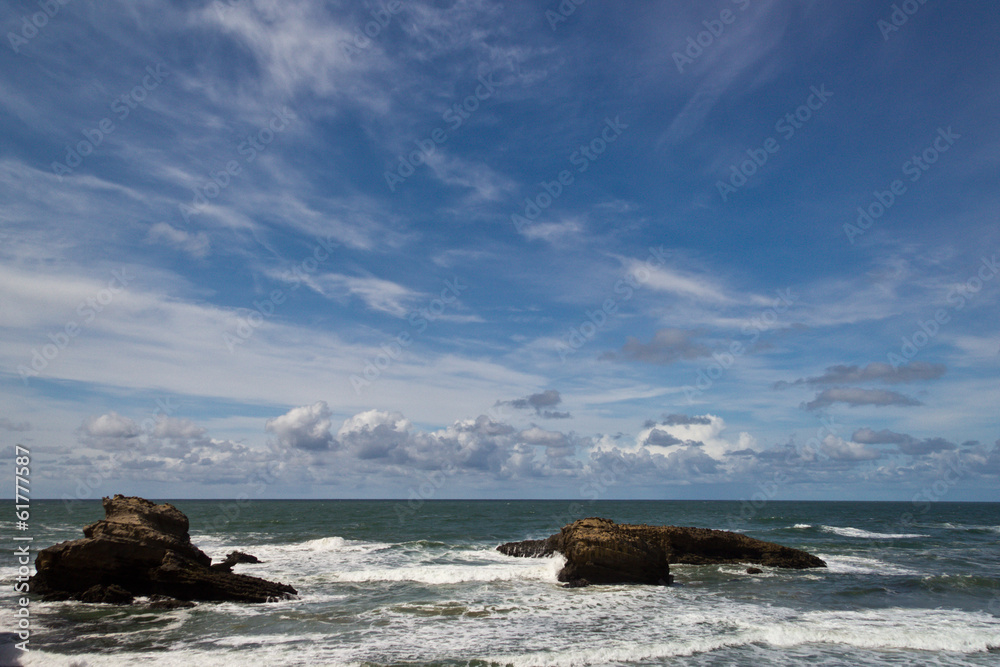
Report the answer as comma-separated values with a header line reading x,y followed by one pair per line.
x,y
802,526
533,569
324,544
898,629
862,565
847,531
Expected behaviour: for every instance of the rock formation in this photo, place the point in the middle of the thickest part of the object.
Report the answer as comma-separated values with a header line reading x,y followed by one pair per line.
x,y
234,558
601,551
141,548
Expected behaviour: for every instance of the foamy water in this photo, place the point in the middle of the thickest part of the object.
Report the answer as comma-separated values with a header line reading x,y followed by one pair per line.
x,y
448,598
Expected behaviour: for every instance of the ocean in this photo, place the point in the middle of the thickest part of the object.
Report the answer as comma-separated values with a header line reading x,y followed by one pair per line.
x,y
391,583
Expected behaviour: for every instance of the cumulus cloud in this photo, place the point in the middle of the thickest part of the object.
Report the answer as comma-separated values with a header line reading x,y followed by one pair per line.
x,y
376,435
686,464
110,425
390,441
839,449
658,438
166,449
683,420
854,397
666,347
907,444
306,427
539,403
557,445
702,431
873,372
178,429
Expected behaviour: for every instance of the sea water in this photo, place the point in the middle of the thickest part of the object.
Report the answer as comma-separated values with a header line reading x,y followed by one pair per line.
x,y
392,583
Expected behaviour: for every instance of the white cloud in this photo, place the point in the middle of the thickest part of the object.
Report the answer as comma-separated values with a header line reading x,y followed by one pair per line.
x,y
306,427
110,425
682,284
181,429
676,436
195,244
844,450
552,231
378,294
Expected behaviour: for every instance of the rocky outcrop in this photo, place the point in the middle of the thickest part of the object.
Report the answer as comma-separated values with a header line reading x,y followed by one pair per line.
x,y
234,558
601,551
141,548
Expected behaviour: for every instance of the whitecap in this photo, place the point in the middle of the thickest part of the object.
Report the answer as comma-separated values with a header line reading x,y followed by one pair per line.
x,y
862,565
534,569
848,531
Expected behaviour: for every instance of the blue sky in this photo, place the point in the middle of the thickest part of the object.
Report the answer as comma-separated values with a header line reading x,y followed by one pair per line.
x,y
484,249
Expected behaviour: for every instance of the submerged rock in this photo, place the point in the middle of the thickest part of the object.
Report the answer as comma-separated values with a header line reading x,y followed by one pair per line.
x,y
601,551
141,548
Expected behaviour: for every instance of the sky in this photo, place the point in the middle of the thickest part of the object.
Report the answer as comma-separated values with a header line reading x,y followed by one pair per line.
x,y
735,249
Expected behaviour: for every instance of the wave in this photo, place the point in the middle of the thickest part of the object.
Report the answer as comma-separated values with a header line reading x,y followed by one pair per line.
x,y
892,629
847,531
535,569
982,530
862,565
802,526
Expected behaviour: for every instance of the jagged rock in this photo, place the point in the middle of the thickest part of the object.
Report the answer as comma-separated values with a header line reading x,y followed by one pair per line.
x,y
165,602
111,594
144,549
602,551
234,558
576,583
530,548
754,570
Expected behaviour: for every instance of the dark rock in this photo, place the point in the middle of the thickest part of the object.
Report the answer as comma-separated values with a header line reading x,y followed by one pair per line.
x,y
754,570
144,549
110,594
576,583
234,558
164,602
602,551
530,548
